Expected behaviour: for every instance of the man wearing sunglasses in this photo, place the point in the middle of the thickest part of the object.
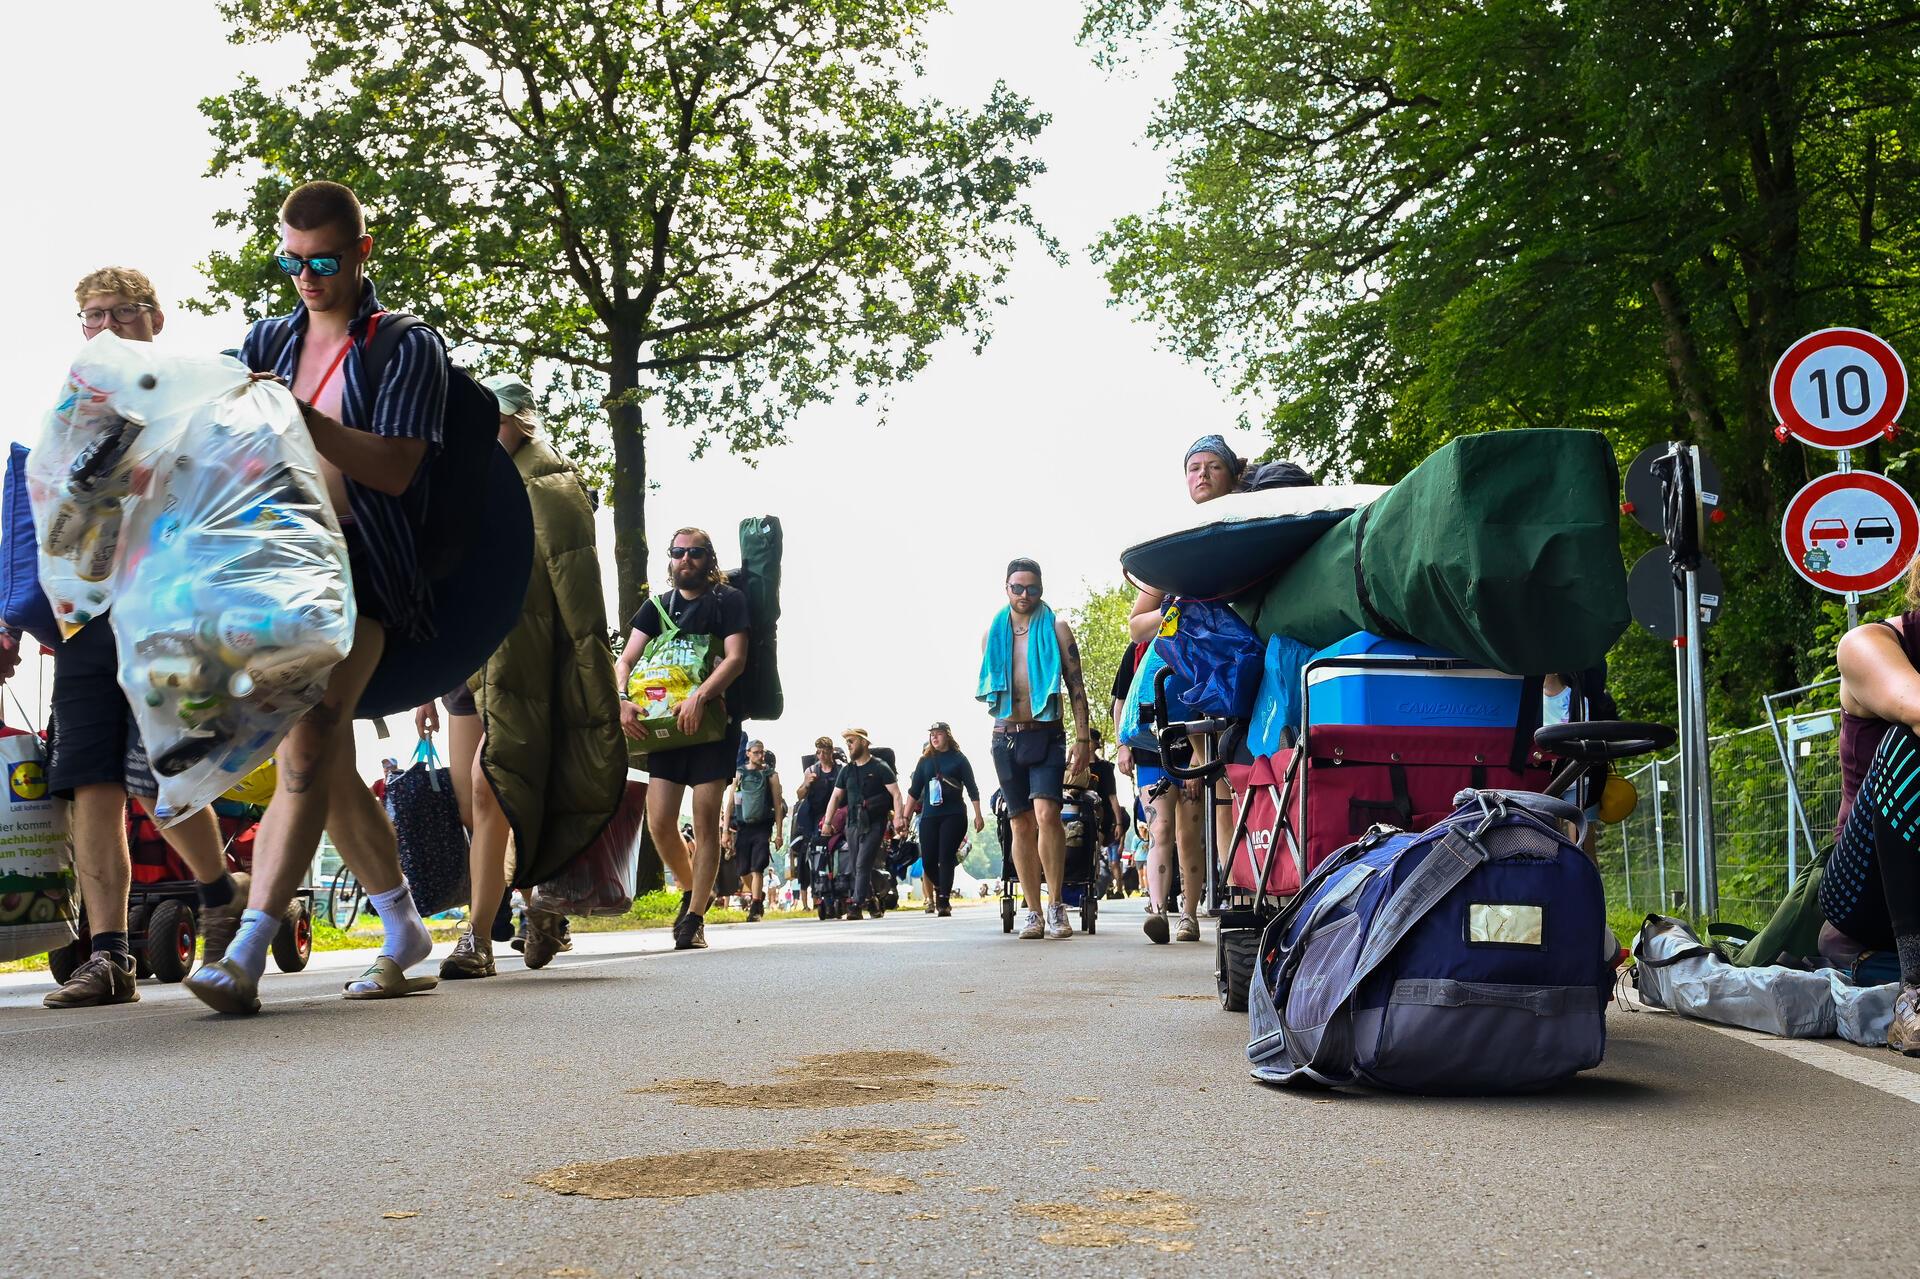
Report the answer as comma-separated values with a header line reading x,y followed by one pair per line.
x,y
96,758
1027,654
700,603
373,442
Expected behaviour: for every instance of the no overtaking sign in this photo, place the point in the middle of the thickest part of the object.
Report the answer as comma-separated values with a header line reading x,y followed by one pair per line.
x,y
1851,531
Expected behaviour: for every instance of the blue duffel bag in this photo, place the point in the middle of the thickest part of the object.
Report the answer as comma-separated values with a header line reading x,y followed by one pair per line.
x,y
1472,958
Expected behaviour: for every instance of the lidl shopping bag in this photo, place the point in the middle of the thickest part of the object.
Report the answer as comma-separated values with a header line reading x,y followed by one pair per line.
x,y
38,903
1215,655
234,600
672,665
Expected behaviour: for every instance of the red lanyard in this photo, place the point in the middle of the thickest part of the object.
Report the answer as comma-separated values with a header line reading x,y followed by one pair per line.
x,y
327,377
340,355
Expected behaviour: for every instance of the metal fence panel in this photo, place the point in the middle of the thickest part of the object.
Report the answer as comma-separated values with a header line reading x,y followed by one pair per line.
x,y
1763,779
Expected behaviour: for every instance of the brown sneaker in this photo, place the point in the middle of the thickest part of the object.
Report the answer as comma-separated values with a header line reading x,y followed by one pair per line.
x,y
97,981
543,937
1903,1036
218,924
472,957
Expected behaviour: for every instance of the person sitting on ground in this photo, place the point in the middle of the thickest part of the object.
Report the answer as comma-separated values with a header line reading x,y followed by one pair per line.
x,y
754,796
700,603
1027,654
95,755
939,779
867,788
1870,890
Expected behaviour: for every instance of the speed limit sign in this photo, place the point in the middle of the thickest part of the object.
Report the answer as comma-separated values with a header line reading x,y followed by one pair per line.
x,y
1838,389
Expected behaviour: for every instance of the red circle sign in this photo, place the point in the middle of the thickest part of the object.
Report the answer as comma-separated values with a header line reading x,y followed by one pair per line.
x,y
1851,531
1838,389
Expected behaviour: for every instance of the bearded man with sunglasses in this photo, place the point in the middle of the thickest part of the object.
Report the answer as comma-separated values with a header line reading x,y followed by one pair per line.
x,y
700,603
374,441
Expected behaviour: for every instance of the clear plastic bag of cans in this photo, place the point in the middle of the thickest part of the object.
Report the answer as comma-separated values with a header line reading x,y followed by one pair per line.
x,y
234,598
80,473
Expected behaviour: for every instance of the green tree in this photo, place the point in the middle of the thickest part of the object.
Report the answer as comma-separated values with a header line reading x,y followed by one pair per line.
x,y
717,211
1396,221
1100,627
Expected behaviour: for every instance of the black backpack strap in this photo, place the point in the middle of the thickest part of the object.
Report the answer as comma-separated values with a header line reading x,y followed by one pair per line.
x,y
393,326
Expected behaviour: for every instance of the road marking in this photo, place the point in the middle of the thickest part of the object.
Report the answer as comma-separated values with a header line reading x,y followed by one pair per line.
x,y
1878,1075
1895,1082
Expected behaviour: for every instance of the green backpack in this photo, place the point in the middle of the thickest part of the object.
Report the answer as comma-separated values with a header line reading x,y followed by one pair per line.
x,y
757,693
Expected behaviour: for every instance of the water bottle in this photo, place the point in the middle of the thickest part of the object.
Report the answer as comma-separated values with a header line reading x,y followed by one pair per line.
x,y
935,792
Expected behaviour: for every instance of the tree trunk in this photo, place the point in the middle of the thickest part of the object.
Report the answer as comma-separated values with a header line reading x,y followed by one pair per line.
x,y
629,478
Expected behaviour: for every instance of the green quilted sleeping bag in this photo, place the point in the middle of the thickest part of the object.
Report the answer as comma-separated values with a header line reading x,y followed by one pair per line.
x,y
1503,548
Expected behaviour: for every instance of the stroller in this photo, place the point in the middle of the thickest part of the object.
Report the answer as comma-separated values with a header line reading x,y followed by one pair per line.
x,y
163,903
1380,741
1087,871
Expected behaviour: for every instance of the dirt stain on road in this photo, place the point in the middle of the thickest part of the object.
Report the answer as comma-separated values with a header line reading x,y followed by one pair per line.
x,y
691,1173
887,1141
827,1081
1144,1217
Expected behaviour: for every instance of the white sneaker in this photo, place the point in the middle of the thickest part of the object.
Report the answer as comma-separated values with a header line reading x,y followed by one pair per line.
x,y
1058,929
1188,929
1030,926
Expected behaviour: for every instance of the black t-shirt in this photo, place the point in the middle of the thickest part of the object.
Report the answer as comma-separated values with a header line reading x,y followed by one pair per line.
x,y
1123,678
814,803
956,776
866,785
1104,778
719,610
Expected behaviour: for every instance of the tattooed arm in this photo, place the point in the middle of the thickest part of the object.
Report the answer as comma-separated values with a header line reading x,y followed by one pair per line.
x,y
1081,751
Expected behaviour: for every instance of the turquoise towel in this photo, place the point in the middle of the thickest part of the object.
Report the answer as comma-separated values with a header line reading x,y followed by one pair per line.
x,y
1043,666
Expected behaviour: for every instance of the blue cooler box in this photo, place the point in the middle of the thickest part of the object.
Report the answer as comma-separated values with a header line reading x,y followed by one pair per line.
x,y
1465,697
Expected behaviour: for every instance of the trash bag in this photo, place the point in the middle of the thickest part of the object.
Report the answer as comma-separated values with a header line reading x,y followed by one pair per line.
x,y
603,878
235,597
120,402
1214,654
432,842
673,663
39,907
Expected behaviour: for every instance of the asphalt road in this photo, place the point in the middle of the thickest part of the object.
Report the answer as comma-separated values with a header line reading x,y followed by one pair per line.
x,y
1096,1118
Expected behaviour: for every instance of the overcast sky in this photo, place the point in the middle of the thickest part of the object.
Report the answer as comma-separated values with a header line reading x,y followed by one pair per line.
x,y
1052,444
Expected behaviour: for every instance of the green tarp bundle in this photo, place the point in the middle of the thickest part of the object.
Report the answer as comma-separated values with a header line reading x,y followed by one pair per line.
x,y
1503,548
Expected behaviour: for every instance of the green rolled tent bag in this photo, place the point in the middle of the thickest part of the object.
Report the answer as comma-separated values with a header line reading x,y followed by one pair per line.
x,y
1503,548
762,543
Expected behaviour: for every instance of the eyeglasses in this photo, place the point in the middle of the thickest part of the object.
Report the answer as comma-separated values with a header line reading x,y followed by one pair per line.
x,y
685,552
326,264
1019,588
95,317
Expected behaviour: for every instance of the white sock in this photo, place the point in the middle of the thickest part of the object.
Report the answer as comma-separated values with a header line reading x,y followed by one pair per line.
x,y
407,940
251,940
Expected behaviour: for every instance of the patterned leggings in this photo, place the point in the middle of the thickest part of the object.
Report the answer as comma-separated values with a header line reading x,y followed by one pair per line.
x,y
1871,888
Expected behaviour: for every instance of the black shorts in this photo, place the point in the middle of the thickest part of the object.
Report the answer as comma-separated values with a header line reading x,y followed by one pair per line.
x,y
753,847
1032,764
698,765
91,734
366,602
459,700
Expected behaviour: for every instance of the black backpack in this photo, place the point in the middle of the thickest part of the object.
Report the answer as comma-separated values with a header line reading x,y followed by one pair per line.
x,y
469,433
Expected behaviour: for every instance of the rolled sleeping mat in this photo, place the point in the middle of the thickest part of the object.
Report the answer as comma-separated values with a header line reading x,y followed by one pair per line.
x,y
1503,548
1223,548
474,607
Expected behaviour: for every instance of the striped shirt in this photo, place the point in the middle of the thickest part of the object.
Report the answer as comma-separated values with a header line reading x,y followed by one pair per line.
x,y
409,404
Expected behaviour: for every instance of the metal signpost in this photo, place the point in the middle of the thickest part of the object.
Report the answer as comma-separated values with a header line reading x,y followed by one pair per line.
x,y
1675,592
